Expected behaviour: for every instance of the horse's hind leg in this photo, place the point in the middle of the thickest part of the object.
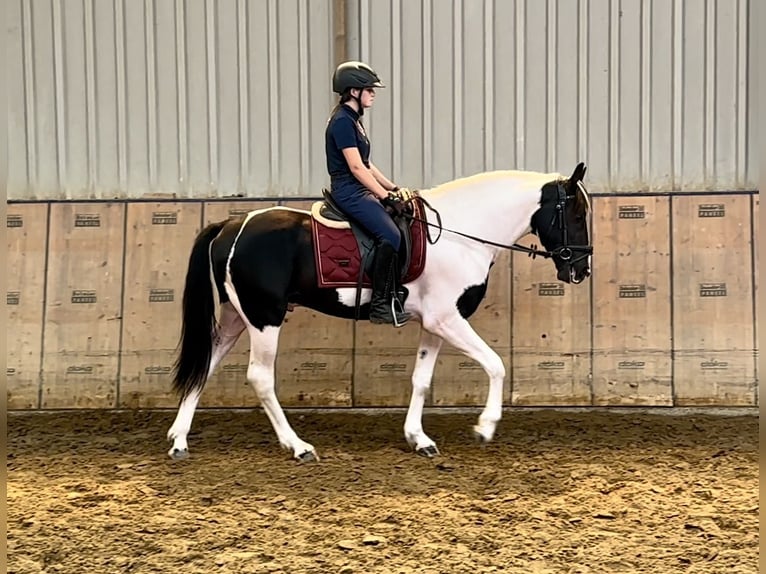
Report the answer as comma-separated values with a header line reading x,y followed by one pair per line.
x,y
428,350
229,329
260,374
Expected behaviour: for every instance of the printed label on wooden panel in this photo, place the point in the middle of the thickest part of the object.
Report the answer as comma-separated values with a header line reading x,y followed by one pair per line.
x,y
631,285
83,306
548,380
160,238
714,378
27,236
634,378
460,381
712,273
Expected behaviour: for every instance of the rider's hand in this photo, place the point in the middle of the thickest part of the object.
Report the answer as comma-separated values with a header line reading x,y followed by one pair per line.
x,y
395,202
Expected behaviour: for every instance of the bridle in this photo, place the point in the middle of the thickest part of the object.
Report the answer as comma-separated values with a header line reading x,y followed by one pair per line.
x,y
565,252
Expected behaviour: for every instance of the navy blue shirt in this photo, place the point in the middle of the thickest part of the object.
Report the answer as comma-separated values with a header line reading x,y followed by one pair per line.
x,y
344,130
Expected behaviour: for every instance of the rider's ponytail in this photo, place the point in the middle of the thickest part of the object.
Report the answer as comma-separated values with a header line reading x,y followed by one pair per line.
x,y
346,96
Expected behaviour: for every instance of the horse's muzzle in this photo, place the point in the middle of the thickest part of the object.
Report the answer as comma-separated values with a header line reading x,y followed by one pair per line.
x,y
570,273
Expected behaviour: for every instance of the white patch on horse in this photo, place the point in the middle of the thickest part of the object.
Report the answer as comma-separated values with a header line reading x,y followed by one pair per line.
x,y
347,296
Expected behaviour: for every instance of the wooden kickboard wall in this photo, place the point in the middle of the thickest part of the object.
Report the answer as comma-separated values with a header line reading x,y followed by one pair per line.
x,y
160,234
632,328
27,234
667,318
551,335
83,305
713,321
756,308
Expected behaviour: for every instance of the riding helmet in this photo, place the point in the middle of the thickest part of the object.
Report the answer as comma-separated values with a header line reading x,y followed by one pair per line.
x,y
354,74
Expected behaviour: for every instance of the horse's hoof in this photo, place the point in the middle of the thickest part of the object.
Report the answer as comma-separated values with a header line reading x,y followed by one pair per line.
x,y
480,438
428,451
179,453
308,456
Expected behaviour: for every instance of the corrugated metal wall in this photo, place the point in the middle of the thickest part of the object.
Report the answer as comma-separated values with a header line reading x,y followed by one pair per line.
x,y
203,98
210,99
652,95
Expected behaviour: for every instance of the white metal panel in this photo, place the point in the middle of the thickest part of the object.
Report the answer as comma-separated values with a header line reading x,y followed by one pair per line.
x,y
652,95
194,99
42,93
214,98
18,87
749,121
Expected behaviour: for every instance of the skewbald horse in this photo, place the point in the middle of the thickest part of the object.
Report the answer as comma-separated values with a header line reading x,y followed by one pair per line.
x,y
264,263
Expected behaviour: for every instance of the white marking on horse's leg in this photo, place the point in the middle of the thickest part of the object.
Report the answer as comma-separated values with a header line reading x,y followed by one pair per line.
x,y
428,351
229,329
260,374
181,426
458,332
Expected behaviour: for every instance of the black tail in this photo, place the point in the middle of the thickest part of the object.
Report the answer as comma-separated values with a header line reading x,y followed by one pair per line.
x,y
199,324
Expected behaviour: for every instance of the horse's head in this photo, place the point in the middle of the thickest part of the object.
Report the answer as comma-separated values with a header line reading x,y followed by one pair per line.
x,y
561,223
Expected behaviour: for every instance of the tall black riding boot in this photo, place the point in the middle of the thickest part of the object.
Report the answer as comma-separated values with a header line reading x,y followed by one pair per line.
x,y
384,308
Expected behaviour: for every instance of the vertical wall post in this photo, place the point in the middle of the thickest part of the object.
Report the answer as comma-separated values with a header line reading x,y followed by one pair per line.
x,y
339,31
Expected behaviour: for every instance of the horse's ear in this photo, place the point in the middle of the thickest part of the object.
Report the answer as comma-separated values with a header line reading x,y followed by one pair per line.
x,y
579,173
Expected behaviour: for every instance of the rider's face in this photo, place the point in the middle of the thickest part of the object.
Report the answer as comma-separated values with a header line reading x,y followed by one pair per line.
x,y
367,97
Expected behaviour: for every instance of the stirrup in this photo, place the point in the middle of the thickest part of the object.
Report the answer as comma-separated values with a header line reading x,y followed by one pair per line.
x,y
394,304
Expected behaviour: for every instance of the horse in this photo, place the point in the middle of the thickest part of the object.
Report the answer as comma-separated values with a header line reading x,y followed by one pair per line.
x,y
263,264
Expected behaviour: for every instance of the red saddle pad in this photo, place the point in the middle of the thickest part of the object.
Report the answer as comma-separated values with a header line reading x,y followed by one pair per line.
x,y
338,260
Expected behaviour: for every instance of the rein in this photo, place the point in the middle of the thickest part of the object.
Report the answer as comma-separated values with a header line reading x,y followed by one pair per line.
x,y
564,252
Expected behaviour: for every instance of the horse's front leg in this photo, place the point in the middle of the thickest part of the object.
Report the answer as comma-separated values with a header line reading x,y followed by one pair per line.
x,y
459,333
428,350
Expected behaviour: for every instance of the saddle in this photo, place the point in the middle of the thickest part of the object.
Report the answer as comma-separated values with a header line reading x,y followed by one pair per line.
x,y
344,251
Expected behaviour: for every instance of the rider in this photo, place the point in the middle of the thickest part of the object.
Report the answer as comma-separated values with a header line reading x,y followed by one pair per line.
x,y
358,187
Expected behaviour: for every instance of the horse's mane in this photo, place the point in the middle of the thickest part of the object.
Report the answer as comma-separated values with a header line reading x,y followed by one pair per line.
x,y
583,199
532,177
536,178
